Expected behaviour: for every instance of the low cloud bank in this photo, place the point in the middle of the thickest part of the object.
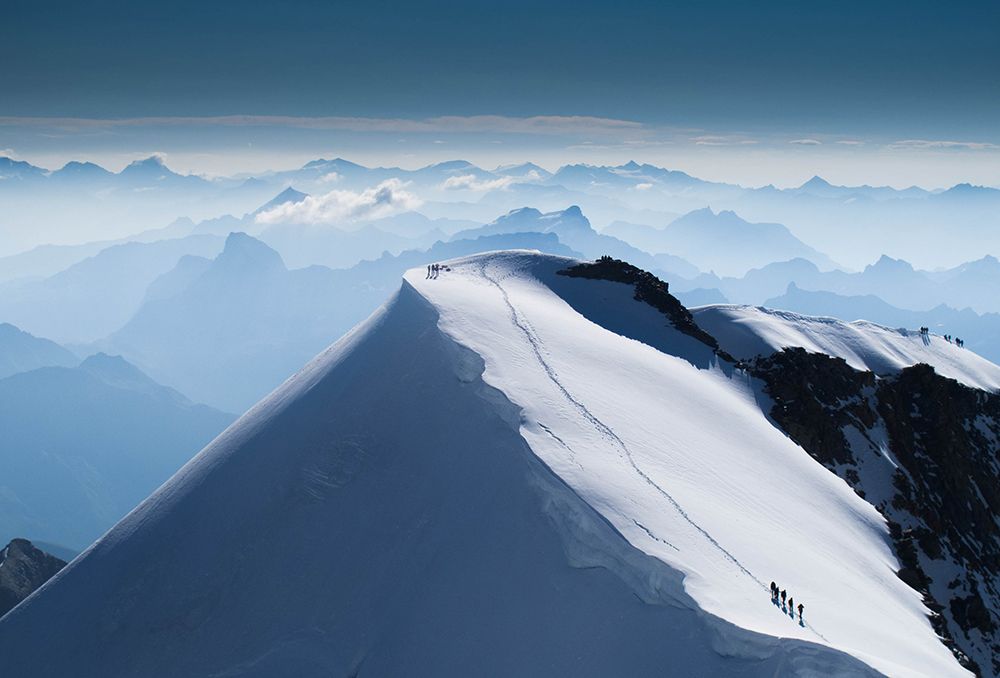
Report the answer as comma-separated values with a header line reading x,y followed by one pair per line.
x,y
389,197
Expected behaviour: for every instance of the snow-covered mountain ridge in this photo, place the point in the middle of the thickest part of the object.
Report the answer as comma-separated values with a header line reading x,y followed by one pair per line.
x,y
748,331
505,471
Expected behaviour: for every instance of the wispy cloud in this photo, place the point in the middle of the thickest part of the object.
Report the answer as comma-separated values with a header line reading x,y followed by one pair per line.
x,y
469,182
538,124
643,187
927,144
387,198
850,142
721,140
806,142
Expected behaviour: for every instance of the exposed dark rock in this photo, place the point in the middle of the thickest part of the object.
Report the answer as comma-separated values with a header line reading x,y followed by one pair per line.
x,y
23,568
923,449
648,289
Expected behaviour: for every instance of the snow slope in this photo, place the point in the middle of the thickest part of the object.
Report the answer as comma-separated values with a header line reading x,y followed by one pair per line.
x,y
484,479
748,331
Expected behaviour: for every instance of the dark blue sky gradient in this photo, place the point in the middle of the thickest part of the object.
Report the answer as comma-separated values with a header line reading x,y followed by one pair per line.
x,y
909,67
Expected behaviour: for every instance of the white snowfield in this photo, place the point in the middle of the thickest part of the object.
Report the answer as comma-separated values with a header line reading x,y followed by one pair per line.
x,y
489,477
748,331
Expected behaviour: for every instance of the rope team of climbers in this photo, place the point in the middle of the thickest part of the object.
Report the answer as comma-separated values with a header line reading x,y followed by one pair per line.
x,y
925,332
779,596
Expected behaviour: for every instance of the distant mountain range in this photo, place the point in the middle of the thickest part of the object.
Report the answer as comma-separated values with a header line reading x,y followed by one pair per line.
x,y
981,333
22,352
721,242
574,229
850,224
97,295
229,330
81,446
974,284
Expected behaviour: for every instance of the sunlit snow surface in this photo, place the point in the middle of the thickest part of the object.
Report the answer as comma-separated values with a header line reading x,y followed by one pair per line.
x,y
380,514
748,331
682,461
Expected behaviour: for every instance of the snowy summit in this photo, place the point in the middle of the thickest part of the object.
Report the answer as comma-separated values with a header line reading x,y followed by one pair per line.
x,y
506,470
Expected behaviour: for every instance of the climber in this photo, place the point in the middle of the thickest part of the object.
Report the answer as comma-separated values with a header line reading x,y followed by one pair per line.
x,y
783,594
774,590
791,605
800,610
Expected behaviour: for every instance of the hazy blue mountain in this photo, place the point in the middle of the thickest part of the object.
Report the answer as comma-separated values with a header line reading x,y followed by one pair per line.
x,y
188,269
525,170
17,171
981,333
820,187
153,174
729,245
82,446
601,208
701,296
237,328
230,330
22,352
851,224
895,281
643,236
575,231
330,245
76,174
220,226
98,295
46,260
975,283
417,225
289,195
83,202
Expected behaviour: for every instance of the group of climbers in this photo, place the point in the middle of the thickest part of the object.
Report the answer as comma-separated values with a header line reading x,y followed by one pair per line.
x,y
779,596
925,331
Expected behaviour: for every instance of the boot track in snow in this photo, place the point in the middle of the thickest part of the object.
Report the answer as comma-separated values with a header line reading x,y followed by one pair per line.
x,y
524,326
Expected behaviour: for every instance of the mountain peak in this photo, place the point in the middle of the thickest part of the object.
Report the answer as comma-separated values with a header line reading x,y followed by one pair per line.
x,y
112,364
242,250
817,182
115,370
289,195
151,161
153,166
452,166
77,167
887,264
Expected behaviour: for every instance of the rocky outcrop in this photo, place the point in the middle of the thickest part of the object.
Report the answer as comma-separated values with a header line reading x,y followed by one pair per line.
x,y
650,290
23,568
924,450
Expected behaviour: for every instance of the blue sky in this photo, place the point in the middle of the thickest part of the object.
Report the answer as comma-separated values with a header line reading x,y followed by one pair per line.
x,y
660,79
